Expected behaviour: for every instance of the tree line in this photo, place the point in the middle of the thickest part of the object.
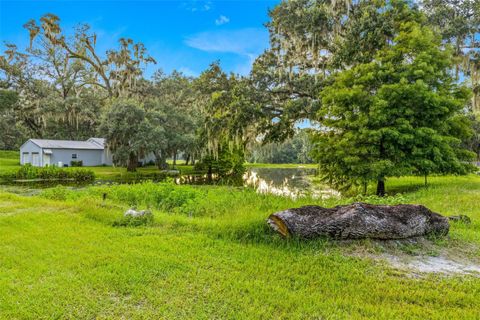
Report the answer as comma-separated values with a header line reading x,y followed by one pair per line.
x,y
391,88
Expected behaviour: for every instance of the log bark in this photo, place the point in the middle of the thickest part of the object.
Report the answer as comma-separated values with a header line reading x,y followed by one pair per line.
x,y
359,221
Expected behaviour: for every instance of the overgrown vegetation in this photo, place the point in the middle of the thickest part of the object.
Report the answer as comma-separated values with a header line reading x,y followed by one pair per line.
x,y
50,173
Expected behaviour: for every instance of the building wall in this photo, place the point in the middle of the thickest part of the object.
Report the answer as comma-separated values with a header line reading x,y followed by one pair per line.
x,y
88,157
148,158
107,157
29,148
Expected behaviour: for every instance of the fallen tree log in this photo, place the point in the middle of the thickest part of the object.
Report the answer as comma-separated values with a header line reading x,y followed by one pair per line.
x,y
359,221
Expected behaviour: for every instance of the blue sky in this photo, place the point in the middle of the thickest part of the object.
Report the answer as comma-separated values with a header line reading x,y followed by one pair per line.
x,y
182,35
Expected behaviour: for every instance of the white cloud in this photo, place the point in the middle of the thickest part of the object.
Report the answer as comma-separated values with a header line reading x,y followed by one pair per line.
x,y
250,41
222,20
197,5
247,43
188,72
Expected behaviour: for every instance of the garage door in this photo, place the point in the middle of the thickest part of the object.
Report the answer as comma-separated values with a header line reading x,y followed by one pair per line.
x,y
35,159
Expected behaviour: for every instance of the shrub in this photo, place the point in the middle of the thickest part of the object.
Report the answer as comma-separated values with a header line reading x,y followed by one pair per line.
x,y
53,173
130,221
76,163
82,175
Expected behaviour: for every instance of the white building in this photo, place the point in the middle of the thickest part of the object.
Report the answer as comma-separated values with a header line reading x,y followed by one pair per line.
x,y
41,152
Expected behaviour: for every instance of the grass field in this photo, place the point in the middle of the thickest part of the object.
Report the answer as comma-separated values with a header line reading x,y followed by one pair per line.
x,y
210,255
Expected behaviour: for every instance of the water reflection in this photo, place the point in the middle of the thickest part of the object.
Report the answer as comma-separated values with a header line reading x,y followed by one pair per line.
x,y
287,182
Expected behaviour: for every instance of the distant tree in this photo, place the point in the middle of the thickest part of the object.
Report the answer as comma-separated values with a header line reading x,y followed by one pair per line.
x,y
129,132
229,111
458,21
117,71
472,142
173,104
293,150
399,114
12,134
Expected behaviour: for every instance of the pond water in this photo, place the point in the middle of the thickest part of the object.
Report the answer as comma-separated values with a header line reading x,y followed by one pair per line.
x,y
288,182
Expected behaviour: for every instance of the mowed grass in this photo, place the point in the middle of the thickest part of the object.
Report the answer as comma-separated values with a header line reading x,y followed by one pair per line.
x,y
210,255
9,161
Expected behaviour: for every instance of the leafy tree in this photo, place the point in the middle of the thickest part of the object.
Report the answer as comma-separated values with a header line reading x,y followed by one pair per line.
x,y
458,21
172,100
129,132
293,150
13,135
399,114
117,73
229,118
309,42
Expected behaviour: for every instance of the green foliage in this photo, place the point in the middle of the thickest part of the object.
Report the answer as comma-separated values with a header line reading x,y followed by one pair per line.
x,y
129,133
162,196
172,110
59,193
398,115
130,221
229,110
294,150
459,24
53,173
76,163
228,162
13,135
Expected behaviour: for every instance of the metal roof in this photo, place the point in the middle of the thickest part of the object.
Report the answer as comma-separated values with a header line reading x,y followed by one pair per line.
x,y
99,141
69,144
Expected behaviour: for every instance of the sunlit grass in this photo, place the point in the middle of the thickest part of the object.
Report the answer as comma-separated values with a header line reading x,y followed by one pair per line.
x,y
209,254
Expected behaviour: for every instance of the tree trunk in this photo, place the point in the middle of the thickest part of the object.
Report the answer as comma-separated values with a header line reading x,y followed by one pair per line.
x,y
174,159
160,161
187,160
132,162
381,188
359,221
425,179
210,173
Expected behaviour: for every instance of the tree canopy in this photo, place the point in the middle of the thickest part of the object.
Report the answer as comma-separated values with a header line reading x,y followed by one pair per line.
x,y
397,115
389,86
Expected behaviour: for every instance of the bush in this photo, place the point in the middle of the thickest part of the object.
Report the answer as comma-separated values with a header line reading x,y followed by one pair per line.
x,y
130,221
76,163
53,173
82,174
163,196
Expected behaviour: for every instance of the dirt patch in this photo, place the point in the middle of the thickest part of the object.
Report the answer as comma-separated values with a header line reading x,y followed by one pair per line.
x,y
427,264
417,257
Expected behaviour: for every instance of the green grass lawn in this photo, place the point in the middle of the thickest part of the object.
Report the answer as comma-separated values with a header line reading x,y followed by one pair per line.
x,y
210,255
9,161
